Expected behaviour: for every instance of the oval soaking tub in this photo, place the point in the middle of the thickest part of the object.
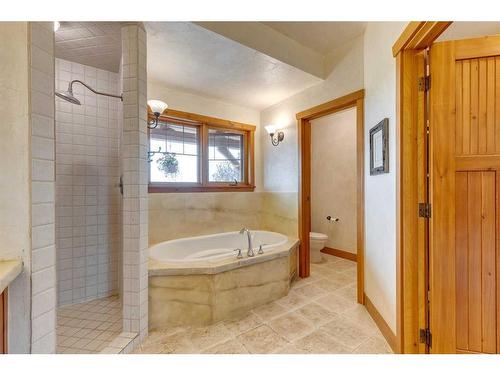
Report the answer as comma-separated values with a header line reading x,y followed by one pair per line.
x,y
214,247
200,280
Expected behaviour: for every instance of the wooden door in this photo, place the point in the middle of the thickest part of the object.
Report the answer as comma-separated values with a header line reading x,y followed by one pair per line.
x,y
464,277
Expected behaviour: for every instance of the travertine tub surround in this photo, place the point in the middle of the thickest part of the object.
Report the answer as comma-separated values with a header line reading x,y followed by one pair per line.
x,y
202,294
179,215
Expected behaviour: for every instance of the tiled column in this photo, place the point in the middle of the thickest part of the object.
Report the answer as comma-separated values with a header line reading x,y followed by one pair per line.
x,y
135,181
43,270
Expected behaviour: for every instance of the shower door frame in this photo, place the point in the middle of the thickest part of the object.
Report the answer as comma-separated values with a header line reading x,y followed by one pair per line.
x,y
352,100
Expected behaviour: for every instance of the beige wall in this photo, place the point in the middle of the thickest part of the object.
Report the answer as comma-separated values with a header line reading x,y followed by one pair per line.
x,y
280,167
14,141
333,178
380,190
15,208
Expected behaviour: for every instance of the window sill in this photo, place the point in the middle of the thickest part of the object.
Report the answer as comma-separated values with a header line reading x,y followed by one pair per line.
x,y
199,189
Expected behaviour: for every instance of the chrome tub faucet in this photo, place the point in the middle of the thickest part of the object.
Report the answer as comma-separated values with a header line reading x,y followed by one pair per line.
x,y
250,252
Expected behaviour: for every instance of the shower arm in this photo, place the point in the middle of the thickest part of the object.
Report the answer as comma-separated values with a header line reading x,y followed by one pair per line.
x,y
70,89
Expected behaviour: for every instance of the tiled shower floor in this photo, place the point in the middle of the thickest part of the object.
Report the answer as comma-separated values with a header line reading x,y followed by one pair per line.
x,y
319,315
88,327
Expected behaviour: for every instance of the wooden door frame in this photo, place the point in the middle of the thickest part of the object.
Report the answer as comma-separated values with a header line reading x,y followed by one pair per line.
x,y
352,100
410,306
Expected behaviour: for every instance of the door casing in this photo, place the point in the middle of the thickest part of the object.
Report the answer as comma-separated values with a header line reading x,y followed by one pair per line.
x,y
353,100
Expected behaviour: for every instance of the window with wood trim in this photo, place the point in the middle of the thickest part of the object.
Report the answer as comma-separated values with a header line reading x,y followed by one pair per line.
x,y
195,153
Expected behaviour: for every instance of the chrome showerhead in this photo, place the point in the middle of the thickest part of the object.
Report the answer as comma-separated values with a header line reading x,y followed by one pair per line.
x,y
68,96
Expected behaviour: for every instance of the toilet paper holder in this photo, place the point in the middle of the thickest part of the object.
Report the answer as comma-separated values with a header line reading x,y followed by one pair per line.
x,y
334,219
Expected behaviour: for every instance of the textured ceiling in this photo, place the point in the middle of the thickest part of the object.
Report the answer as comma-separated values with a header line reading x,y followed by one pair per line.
x,y
188,57
191,58
322,37
97,44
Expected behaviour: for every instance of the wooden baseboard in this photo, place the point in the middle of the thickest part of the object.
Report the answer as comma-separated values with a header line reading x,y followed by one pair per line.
x,y
381,324
340,253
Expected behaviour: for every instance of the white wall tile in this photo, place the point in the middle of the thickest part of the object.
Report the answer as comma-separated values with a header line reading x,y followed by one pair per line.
x,y
79,172
134,163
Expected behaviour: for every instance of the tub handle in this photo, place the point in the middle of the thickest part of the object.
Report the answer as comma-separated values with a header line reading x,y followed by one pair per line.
x,y
239,256
260,248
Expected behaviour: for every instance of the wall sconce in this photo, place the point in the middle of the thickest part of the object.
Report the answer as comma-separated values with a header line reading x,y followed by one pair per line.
x,y
157,107
276,136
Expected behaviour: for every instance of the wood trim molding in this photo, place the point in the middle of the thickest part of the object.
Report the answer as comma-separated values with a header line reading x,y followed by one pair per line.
x,y
340,253
419,35
408,33
332,106
3,321
360,196
208,120
352,100
381,324
198,189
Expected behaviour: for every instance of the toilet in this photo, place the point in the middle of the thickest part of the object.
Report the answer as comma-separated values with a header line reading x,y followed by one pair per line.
x,y
317,242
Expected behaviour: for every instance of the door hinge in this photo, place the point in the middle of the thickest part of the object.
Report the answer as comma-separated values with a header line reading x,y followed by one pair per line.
x,y
424,210
426,337
424,83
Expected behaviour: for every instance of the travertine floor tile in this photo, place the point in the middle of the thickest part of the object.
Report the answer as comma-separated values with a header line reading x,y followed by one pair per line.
x,y
178,343
345,332
262,340
336,303
316,314
291,326
292,300
310,291
319,342
328,285
341,278
244,324
205,337
320,315
351,272
343,265
374,346
233,346
270,311
350,292
360,316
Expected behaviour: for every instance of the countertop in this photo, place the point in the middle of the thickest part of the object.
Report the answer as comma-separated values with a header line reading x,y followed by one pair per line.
x,y
9,270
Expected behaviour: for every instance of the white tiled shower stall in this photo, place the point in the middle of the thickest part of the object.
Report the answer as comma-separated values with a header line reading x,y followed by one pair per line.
x,y
88,202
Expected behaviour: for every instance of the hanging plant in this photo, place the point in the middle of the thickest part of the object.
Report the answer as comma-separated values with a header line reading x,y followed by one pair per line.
x,y
169,164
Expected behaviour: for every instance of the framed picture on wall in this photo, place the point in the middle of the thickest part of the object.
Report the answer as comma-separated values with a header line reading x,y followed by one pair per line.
x,y
379,148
